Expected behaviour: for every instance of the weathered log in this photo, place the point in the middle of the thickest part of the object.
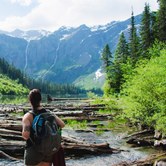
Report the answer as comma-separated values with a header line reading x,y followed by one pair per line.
x,y
49,98
140,142
72,139
82,108
71,145
152,160
85,118
92,130
70,113
10,145
17,127
6,131
4,155
95,125
140,133
11,137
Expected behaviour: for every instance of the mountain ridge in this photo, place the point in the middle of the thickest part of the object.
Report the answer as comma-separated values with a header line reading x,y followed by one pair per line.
x,y
64,55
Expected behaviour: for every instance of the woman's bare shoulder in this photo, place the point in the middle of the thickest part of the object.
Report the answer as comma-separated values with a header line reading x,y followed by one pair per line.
x,y
28,116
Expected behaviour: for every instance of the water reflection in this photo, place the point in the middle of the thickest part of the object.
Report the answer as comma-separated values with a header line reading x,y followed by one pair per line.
x,y
9,99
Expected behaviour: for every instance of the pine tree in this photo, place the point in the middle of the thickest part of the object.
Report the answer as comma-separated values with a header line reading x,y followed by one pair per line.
x,y
160,26
134,43
145,30
121,52
121,55
106,58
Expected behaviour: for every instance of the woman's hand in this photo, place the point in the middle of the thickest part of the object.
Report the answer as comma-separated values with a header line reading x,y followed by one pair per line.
x,y
59,122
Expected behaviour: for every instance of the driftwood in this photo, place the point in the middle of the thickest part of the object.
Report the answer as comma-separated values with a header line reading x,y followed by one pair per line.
x,y
152,160
4,155
140,142
140,133
6,131
17,127
49,98
85,118
73,144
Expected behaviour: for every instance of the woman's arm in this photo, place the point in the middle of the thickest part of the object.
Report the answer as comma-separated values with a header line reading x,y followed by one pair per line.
x,y
26,123
59,122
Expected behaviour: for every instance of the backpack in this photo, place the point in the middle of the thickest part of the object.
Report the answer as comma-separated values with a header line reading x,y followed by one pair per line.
x,y
47,138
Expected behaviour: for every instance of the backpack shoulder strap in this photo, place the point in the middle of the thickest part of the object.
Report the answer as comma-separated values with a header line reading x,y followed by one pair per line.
x,y
32,112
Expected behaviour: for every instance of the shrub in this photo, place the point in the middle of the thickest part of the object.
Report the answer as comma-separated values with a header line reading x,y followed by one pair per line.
x,y
145,93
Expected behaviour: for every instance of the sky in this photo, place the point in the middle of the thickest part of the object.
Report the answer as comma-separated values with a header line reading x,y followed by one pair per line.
x,y
52,14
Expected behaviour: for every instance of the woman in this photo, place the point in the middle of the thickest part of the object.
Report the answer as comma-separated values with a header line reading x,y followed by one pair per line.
x,y
31,156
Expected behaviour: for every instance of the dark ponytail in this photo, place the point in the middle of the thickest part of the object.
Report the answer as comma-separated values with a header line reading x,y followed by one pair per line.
x,y
35,98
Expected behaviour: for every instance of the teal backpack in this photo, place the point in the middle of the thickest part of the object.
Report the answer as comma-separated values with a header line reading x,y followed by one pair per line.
x,y
47,138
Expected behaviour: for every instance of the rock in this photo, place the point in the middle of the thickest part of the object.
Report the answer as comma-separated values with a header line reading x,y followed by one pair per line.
x,y
160,163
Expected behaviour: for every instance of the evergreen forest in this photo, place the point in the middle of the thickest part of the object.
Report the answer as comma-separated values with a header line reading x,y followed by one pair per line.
x,y
13,81
137,73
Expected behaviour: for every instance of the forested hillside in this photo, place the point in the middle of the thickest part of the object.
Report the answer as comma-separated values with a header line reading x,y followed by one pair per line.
x,y
138,71
13,81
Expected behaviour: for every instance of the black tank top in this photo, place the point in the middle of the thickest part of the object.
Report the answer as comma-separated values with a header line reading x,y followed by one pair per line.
x,y
28,142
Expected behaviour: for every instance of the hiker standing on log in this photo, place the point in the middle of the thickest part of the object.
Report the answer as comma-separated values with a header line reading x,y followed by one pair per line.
x,y
31,155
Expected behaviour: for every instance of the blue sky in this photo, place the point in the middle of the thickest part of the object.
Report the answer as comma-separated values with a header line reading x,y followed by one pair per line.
x,y
52,14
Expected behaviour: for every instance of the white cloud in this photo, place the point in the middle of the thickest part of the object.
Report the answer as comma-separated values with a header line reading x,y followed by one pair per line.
x,y
22,2
51,14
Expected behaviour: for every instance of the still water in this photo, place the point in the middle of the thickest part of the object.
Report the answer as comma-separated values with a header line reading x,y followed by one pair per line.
x,y
114,138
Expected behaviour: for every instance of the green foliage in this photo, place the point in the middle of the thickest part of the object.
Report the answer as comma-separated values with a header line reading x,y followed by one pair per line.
x,y
110,125
91,95
105,111
77,125
95,122
99,132
154,51
11,87
145,93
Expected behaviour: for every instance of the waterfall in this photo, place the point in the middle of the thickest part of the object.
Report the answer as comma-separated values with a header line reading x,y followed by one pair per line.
x,y
26,59
53,63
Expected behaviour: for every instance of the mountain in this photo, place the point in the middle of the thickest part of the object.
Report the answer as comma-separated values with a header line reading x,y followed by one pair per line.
x,y
68,55
27,35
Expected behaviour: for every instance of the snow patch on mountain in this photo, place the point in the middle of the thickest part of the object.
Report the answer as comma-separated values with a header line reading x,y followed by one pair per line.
x,y
29,35
65,36
98,74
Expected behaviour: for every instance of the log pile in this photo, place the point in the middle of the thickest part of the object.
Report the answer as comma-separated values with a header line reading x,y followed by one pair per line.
x,y
12,143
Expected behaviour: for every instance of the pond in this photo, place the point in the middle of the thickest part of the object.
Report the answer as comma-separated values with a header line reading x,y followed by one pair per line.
x,y
114,138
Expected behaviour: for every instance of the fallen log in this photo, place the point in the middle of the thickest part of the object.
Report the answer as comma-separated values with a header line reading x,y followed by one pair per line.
x,y
17,127
152,160
70,113
10,145
82,108
85,118
11,137
140,133
140,142
4,155
6,131
49,98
